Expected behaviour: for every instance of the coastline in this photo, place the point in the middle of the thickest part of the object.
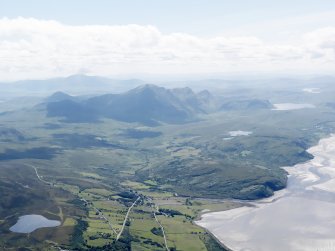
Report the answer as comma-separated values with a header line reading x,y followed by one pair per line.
x,y
218,241
303,178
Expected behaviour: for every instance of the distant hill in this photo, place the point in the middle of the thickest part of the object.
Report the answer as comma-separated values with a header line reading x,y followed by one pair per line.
x,y
202,102
71,111
330,105
11,135
248,104
75,84
59,96
146,104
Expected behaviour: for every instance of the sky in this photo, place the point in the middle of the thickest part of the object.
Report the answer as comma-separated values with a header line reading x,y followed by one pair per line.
x,y
49,38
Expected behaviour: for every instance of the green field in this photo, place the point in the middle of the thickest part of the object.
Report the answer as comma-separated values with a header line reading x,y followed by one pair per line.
x,y
90,174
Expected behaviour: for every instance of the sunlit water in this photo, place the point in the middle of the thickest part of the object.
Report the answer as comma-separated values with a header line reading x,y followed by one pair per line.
x,y
312,90
239,133
291,106
29,223
301,217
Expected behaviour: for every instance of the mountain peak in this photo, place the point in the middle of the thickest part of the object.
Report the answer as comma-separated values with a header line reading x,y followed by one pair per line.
x,y
204,93
78,77
59,96
147,104
183,91
148,86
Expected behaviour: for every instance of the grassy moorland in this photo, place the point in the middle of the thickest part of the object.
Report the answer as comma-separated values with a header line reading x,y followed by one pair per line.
x,y
127,186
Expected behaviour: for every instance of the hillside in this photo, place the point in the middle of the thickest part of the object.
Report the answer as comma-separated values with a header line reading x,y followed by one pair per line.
x,y
147,104
246,104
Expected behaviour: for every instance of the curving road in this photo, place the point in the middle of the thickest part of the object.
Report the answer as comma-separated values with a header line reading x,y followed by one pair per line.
x,y
126,218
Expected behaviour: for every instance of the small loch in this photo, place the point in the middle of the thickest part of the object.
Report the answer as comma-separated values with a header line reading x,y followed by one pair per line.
x,y
29,223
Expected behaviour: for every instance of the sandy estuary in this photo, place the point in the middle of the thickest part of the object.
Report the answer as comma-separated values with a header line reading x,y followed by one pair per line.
x,y
300,217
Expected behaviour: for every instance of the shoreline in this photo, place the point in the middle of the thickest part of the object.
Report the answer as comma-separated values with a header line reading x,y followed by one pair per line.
x,y
301,172
217,240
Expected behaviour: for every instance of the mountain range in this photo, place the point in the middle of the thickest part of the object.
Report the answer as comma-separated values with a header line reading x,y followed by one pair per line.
x,y
75,84
146,104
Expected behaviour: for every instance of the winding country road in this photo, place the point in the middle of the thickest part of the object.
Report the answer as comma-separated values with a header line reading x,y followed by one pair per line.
x,y
126,218
38,176
161,226
101,214
118,235
156,209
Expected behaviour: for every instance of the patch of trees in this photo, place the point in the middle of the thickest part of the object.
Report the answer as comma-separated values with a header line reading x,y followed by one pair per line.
x,y
123,244
157,231
152,243
77,237
128,195
169,212
79,203
100,235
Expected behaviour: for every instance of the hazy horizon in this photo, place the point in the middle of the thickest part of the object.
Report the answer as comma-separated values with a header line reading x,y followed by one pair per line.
x,y
173,78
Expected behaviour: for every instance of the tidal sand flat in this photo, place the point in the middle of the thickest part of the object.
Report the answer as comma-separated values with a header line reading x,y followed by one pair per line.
x,y
299,218
29,223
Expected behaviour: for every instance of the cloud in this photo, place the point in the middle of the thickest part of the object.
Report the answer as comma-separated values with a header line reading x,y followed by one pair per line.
x,y
31,48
